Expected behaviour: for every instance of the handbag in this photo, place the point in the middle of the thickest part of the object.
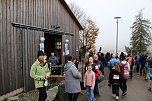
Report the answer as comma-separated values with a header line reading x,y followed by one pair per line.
x,y
100,77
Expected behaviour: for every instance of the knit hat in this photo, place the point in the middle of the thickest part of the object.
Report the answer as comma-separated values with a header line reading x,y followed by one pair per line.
x,y
40,53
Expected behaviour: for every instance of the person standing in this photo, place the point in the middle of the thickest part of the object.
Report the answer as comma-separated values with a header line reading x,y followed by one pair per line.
x,y
40,73
89,83
90,62
86,57
53,60
72,79
75,61
137,57
97,68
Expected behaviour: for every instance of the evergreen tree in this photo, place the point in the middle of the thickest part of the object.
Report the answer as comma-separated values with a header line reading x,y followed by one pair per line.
x,y
141,35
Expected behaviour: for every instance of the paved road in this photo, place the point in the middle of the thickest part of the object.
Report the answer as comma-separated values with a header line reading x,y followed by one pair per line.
x,y
137,90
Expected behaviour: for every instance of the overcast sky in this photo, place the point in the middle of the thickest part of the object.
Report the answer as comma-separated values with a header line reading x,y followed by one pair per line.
x,y
103,13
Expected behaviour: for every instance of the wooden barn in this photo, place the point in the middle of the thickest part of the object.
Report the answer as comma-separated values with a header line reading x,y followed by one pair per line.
x,y
22,24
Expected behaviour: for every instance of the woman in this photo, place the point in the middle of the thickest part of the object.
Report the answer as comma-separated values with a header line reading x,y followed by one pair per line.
x,y
40,73
72,79
125,69
90,62
116,80
75,61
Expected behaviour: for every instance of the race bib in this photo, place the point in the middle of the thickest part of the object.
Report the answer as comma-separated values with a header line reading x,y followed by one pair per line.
x,y
115,76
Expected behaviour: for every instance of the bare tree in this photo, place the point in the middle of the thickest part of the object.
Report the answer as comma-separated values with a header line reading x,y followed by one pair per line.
x,y
88,36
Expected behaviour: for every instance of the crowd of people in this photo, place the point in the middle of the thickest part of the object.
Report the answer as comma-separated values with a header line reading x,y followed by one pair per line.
x,y
121,69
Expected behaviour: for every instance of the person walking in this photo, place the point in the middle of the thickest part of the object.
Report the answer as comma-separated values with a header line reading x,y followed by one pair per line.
x,y
125,69
130,60
40,73
110,66
116,80
89,83
72,79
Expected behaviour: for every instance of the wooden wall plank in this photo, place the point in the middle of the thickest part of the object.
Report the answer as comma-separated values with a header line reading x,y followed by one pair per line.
x,y
13,15
8,45
1,50
16,17
4,17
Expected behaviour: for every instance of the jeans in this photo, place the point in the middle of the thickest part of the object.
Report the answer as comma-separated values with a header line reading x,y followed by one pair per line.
x,y
42,94
90,94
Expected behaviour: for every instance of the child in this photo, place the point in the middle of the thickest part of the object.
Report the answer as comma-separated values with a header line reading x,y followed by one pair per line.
x,y
89,83
116,77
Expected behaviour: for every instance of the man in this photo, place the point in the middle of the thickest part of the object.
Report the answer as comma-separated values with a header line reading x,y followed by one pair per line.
x,y
53,60
137,57
98,66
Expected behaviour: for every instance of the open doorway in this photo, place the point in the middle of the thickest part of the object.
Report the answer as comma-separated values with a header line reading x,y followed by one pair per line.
x,y
53,43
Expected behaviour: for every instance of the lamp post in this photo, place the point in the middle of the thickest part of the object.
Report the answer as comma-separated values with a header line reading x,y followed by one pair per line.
x,y
117,33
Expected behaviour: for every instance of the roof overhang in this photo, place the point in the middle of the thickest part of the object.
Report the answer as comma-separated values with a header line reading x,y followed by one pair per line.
x,y
46,30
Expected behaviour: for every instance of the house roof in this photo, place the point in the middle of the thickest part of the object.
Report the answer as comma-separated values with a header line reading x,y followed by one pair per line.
x,y
71,14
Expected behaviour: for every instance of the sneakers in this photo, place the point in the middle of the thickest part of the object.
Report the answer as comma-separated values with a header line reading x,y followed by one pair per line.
x,y
116,97
124,93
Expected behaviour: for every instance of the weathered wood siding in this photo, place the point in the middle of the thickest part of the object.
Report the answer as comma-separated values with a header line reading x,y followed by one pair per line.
x,y
18,47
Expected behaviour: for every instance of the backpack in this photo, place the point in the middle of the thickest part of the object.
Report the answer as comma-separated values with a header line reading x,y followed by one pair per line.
x,y
125,72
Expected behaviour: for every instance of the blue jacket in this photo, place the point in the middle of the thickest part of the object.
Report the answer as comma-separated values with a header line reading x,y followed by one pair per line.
x,y
150,72
137,59
111,62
